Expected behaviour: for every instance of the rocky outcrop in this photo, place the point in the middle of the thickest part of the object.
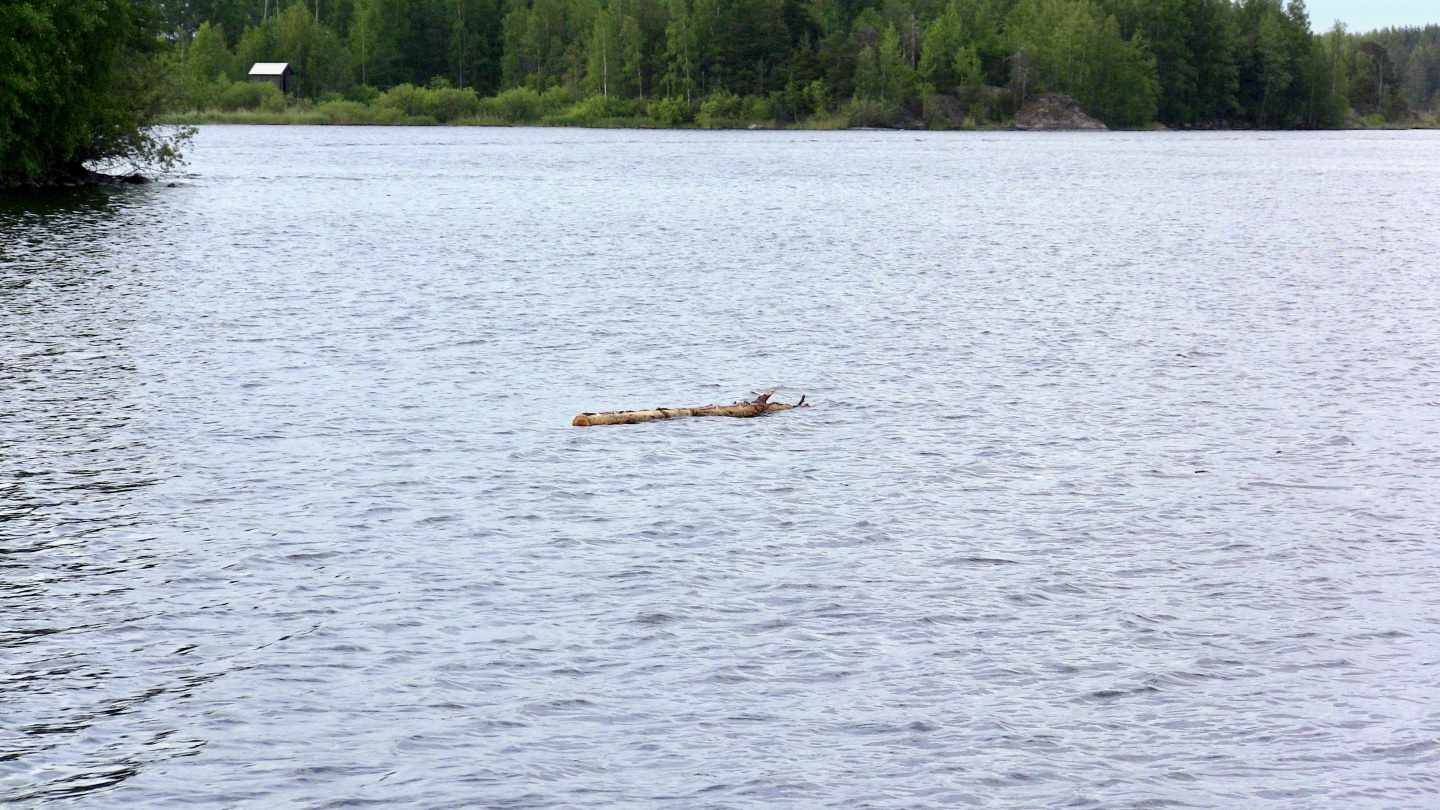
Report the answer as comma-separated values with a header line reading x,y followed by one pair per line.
x,y
1052,112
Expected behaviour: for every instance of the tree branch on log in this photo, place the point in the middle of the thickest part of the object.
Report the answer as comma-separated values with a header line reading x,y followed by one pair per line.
x,y
761,405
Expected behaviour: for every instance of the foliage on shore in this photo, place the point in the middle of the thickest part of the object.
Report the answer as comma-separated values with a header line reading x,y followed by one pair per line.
x,y
261,103
81,82
935,63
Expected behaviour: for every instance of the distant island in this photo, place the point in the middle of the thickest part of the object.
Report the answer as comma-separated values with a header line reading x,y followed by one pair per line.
x,y
80,87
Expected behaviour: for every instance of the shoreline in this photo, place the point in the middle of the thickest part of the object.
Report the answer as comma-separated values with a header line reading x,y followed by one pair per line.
x,y
837,123
78,178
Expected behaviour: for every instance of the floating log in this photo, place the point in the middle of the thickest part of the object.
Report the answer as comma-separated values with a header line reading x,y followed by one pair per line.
x,y
761,405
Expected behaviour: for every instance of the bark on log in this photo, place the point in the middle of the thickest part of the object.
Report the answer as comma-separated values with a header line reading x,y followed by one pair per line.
x,y
761,405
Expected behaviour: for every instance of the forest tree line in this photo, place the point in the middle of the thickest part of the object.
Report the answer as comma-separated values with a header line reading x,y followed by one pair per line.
x,y
83,81
1182,63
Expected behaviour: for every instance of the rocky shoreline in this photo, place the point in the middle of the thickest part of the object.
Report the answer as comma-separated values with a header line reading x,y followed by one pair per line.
x,y
78,178
1054,112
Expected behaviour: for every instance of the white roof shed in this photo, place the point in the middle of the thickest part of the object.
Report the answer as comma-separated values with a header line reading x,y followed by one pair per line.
x,y
276,73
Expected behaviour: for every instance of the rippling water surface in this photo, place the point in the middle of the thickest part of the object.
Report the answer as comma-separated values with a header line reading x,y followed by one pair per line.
x,y
1120,488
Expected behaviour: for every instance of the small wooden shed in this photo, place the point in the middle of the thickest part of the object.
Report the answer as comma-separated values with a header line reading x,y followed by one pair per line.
x,y
277,73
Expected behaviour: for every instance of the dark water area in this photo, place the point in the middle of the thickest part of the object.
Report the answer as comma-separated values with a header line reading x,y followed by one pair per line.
x,y
1120,488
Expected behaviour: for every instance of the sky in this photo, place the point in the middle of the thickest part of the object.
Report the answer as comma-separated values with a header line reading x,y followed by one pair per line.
x,y
1367,15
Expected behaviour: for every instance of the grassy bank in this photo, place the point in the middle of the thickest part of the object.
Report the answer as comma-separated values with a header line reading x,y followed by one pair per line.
x,y
334,115
325,115
406,105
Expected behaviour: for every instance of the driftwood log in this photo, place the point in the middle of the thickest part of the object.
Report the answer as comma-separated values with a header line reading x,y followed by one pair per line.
x,y
761,405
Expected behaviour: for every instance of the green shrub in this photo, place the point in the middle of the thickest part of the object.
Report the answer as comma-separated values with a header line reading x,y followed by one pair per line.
x,y
385,115
557,98
725,109
788,105
870,113
250,96
448,103
757,108
817,95
273,102
407,98
940,112
721,109
598,108
670,111
344,112
441,102
363,93
201,95
481,119
516,106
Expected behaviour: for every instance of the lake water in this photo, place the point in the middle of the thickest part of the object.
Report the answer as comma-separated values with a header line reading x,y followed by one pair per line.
x,y
1120,488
